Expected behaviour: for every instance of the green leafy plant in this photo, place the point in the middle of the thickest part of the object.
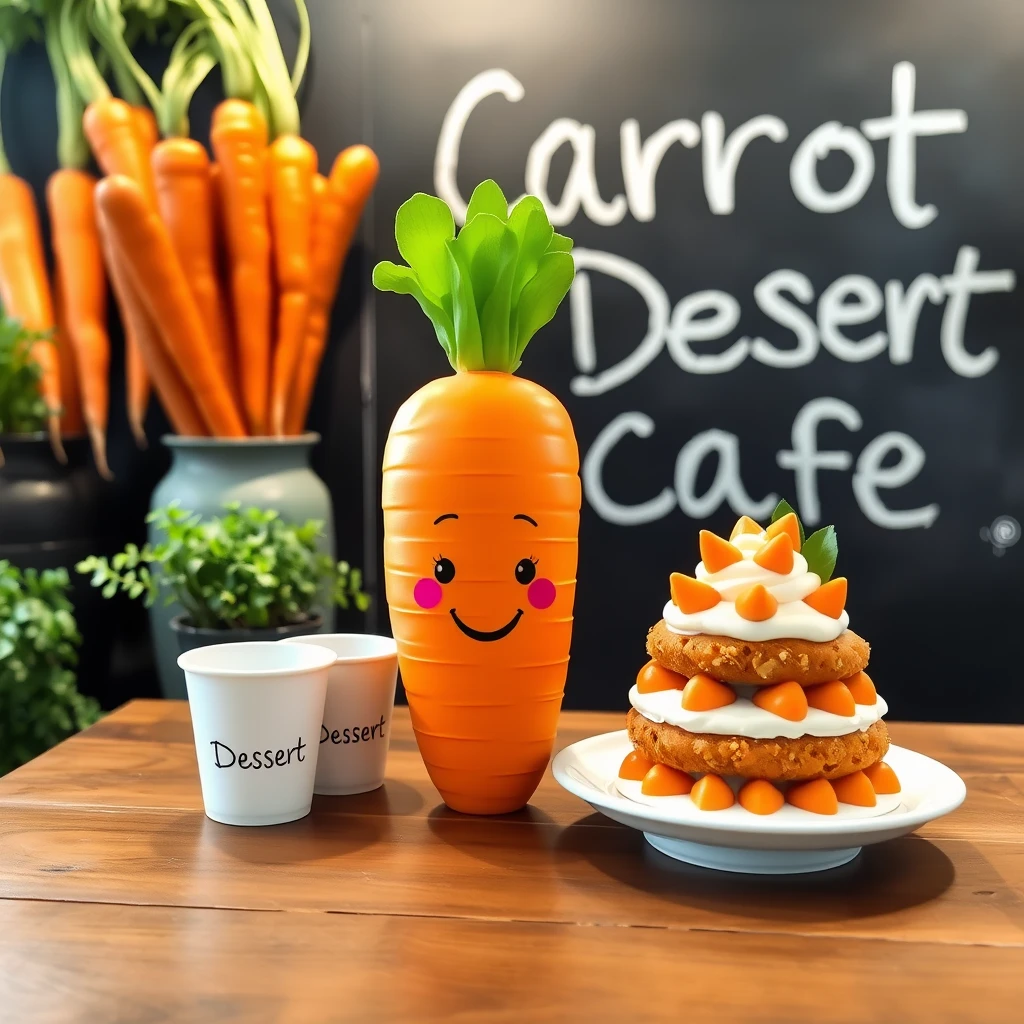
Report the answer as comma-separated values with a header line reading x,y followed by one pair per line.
x,y
39,701
247,569
490,288
22,409
820,549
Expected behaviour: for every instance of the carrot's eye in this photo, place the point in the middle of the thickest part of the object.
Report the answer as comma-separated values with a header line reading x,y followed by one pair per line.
x,y
526,570
444,570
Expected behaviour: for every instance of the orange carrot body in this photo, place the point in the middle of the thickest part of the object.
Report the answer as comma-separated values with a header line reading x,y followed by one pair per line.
x,y
113,130
338,206
171,388
71,422
136,375
186,202
24,285
78,257
146,128
483,634
239,138
151,266
291,167
121,137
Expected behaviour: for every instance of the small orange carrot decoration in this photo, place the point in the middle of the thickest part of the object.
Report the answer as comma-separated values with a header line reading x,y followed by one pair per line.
x,y
690,595
79,259
481,498
239,138
153,270
25,287
291,166
338,206
186,201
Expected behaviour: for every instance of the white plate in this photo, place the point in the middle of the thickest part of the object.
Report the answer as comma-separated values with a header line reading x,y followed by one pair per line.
x,y
735,840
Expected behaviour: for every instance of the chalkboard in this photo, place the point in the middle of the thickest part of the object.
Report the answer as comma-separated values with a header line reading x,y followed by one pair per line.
x,y
799,239
799,236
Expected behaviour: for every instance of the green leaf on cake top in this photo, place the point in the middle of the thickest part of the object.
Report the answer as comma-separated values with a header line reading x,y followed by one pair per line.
x,y
488,289
820,549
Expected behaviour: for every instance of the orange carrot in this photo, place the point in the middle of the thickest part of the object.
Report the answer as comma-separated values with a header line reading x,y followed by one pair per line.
x,y
145,128
121,136
136,230
83,292
112,128
171,388
184,191
137,382
25,287
71,422
338,207
291,167
481,525
239,138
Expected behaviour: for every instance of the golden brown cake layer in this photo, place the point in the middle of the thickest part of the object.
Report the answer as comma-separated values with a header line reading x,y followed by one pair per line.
x,y
809,757
758,663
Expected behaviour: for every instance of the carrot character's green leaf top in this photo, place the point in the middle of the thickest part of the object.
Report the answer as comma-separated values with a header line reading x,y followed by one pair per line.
x,y
491,287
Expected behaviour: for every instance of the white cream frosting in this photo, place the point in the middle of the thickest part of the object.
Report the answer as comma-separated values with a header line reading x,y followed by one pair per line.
x,y
792,620
744,718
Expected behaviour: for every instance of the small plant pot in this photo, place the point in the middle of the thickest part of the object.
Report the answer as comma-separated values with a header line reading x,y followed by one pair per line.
x,y
191,637
356,730
257,709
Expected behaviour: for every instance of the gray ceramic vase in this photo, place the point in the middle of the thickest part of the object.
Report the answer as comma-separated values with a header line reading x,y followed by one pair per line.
x,y
206,474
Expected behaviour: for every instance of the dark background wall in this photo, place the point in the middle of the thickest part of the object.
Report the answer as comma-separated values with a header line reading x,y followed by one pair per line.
x,y
940,604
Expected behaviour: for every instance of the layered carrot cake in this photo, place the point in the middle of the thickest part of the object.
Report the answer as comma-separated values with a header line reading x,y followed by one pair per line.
x,y
756,693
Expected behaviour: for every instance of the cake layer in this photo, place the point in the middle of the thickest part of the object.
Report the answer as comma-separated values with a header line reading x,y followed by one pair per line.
x,y
809,757
758,663
744,718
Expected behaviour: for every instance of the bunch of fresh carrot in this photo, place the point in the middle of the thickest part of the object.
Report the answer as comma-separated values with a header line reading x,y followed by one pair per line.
x,y
224,270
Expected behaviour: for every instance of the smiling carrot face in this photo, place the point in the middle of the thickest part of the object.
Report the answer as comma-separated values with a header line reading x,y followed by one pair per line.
x,y
481,499
480,553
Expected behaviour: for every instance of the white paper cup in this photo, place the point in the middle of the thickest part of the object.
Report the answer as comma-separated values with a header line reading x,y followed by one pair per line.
x,y
356,730
256,714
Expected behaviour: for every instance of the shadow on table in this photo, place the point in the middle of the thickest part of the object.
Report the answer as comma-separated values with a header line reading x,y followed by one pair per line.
x,y
395,799
496,839
336,827
883,879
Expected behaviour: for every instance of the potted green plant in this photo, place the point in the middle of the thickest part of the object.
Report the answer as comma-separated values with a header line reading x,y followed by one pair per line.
x,y
50,511
244,575
39,700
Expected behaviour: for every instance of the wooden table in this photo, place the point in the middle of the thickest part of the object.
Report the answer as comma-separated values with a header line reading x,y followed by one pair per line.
x,y
121,901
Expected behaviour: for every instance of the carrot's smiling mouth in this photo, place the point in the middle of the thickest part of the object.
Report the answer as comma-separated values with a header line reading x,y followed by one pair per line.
x,y
494,634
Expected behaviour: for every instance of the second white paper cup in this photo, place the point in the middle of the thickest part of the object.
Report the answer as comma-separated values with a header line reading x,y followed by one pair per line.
x,y
257,710
356,731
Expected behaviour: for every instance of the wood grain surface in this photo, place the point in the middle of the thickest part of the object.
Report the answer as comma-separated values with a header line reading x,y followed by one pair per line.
x,y
120,900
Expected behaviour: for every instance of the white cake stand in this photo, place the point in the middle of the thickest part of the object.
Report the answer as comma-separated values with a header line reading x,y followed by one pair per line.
x,y
791,841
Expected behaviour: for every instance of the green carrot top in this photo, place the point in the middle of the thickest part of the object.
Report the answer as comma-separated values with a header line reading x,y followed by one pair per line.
x,y
490,288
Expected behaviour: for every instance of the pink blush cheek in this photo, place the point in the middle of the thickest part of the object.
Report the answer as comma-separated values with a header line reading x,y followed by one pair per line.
x,y
427,593
541,593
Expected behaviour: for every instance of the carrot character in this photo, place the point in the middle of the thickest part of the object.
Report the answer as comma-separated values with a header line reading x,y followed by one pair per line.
x,y
481,497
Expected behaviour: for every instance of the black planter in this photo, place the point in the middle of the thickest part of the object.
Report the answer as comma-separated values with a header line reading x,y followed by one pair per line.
x,y
51,515
191,637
